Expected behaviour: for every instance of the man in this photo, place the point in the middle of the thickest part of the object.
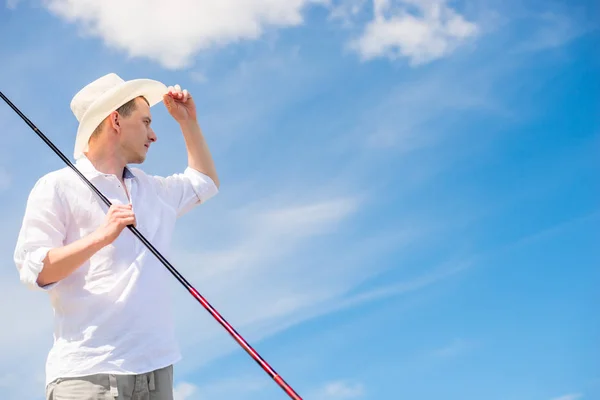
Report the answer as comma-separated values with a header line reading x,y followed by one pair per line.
x,y
113,328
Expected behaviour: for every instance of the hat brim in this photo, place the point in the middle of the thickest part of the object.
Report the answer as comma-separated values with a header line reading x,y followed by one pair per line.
x,y
114,98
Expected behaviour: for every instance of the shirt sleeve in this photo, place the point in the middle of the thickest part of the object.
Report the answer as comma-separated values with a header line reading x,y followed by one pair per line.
x,y
42,229
185,190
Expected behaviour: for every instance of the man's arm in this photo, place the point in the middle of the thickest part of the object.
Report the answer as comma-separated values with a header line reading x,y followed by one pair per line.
x,y
60,262
199,157
182,108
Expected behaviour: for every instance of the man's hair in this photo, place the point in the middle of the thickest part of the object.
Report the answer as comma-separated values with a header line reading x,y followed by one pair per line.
x,y
125,110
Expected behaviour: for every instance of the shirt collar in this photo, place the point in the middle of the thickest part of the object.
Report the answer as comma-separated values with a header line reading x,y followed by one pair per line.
x,y
85,166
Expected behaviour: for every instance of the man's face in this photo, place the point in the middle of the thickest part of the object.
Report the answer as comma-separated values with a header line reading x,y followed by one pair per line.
x,y
136,133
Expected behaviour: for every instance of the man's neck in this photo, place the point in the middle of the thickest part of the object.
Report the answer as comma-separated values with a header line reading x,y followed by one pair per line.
x,y
107,165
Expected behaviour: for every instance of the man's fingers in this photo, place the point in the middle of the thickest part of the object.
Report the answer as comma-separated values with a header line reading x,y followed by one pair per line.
x,y
176,93
119,207
168,100
123,206
127,220
119,214
175,89
124,213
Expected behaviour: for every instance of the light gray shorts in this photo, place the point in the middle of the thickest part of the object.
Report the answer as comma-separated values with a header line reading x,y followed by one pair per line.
x,y
156,385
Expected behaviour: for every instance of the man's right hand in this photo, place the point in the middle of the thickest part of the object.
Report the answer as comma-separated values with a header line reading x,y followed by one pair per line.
x,y
60,262
117,219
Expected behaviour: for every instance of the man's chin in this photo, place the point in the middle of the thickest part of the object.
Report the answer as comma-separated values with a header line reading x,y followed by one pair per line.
x,y
138,160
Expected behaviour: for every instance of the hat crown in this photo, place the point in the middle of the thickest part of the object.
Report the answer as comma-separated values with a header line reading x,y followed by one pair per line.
x,y
87,96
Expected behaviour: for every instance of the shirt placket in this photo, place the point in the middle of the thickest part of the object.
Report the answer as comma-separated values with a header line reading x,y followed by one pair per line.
x,y
119,193
131,189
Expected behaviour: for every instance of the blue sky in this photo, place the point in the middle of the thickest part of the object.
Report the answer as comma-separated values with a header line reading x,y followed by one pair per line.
x,y
409,194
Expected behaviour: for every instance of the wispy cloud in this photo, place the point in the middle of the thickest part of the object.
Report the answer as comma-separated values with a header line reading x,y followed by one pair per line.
x,y
270,268
552,29
282,265
346,11
235,387
424,112
573,396
340,390
433,32
12,4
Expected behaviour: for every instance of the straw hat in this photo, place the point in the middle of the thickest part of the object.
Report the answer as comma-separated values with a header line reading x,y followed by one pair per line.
x,y
98,99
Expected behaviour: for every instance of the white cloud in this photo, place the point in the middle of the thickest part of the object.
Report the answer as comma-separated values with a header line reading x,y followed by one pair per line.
x,y
340,390
573,396
397,31
347,10
552,29
184,390
171,33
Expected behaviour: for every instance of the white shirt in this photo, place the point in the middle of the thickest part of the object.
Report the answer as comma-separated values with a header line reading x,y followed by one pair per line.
x,y
113,313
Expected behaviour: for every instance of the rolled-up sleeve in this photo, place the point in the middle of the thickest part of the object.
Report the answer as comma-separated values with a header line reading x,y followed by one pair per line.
x,y
186,190
42,229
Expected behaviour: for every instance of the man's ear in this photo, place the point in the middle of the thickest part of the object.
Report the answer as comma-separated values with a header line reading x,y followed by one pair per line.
x,y
114,121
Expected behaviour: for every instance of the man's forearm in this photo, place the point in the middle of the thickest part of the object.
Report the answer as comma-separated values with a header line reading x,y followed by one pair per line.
x,y
60,262
199,157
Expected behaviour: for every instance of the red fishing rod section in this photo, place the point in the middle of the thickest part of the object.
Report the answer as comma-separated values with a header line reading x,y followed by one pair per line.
x,y
236,336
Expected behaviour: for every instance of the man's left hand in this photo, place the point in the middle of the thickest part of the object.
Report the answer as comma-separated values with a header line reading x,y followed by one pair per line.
x,y
180,104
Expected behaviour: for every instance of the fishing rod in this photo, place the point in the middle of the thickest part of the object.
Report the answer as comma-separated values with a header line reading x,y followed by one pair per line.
x,y
238,338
